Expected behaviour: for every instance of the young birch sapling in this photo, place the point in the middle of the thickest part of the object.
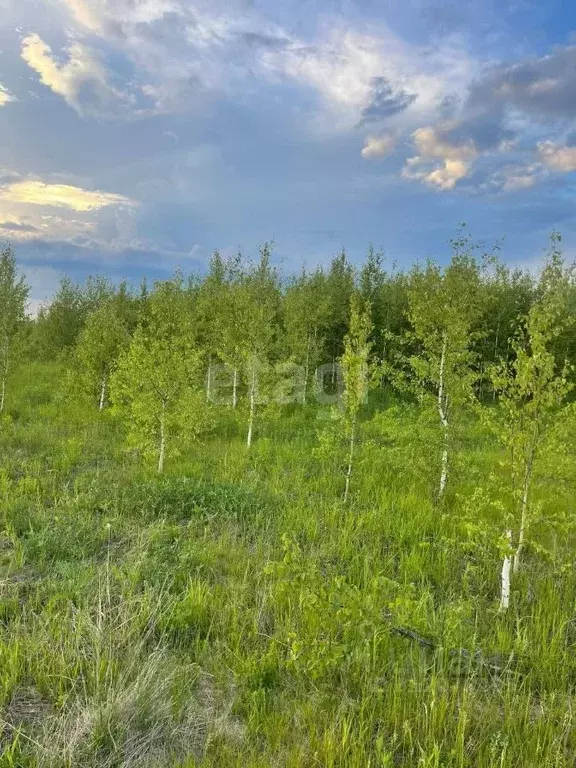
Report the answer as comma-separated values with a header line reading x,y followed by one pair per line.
x,y
532,390
100,343
13,298
356,372
443,305
157,387
257,308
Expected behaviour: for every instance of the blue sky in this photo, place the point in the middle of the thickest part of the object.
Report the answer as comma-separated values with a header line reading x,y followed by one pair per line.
x,y
139,135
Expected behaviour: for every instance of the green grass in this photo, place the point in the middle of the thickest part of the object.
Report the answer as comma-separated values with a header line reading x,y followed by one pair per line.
x,y
235,613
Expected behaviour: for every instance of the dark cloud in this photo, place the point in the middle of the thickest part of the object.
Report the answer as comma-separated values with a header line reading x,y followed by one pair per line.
x,y
385,101
14,226
544,88
448,106
487,132
259,40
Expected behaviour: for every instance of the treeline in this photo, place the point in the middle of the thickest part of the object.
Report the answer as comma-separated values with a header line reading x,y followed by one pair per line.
x,y
305,318
242,311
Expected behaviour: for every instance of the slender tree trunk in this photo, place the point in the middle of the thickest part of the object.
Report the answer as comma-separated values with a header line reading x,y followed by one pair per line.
x,y
4,376
524,512
209,382
306,373
162,452
443,413
505,583
235,389
252,406
102,393
496,342
350,458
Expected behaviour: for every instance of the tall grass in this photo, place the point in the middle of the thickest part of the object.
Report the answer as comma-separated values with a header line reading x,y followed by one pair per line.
x,y
236,613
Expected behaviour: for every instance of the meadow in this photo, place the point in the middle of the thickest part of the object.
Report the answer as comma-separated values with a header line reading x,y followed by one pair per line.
x,y
236,612
249,522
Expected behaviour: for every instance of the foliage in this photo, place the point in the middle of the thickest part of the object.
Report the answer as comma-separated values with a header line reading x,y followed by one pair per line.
x,y
13,298
155,387
235,612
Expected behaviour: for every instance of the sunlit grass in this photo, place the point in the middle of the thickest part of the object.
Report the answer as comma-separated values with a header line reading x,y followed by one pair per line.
x,y
236,613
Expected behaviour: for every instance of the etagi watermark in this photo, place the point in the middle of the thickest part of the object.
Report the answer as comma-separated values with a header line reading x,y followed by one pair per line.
x,y
287,383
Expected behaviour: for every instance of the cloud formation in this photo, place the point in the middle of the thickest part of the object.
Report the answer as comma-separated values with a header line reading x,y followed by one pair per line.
x,y
511,111
184,51
385,101
439,163
558,158
5,96
38,211
377,147
60,196
543,87
82,80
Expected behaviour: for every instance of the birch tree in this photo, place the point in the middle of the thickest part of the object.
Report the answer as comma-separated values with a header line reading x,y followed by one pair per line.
x,y
13,298
371,284
305,320
532,390
356,374
257,310
229,332
156,388
443,305
339,289
209,309
103,338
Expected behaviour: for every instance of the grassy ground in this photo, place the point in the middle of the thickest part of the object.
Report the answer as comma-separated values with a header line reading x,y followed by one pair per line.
x,y
236,613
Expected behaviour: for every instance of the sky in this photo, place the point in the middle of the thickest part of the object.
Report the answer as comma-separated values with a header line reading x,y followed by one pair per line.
x,y
137,136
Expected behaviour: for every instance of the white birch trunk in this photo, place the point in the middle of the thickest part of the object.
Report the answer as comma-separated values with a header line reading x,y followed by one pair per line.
x,y
306,374
505,587
524,515
102,394
5,355
162,452
209,383
442,411
252,407
443,474
350,459
235,389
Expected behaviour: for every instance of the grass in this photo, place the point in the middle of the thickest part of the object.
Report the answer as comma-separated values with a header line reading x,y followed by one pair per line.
x,y
235,613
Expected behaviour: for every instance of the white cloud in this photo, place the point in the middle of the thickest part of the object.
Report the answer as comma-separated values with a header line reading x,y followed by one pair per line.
x,y
343,64
557,157
515,178
82,81
378,146
96,15
60,196
184,50
85,14
36,210
5,96
515,182
438,162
